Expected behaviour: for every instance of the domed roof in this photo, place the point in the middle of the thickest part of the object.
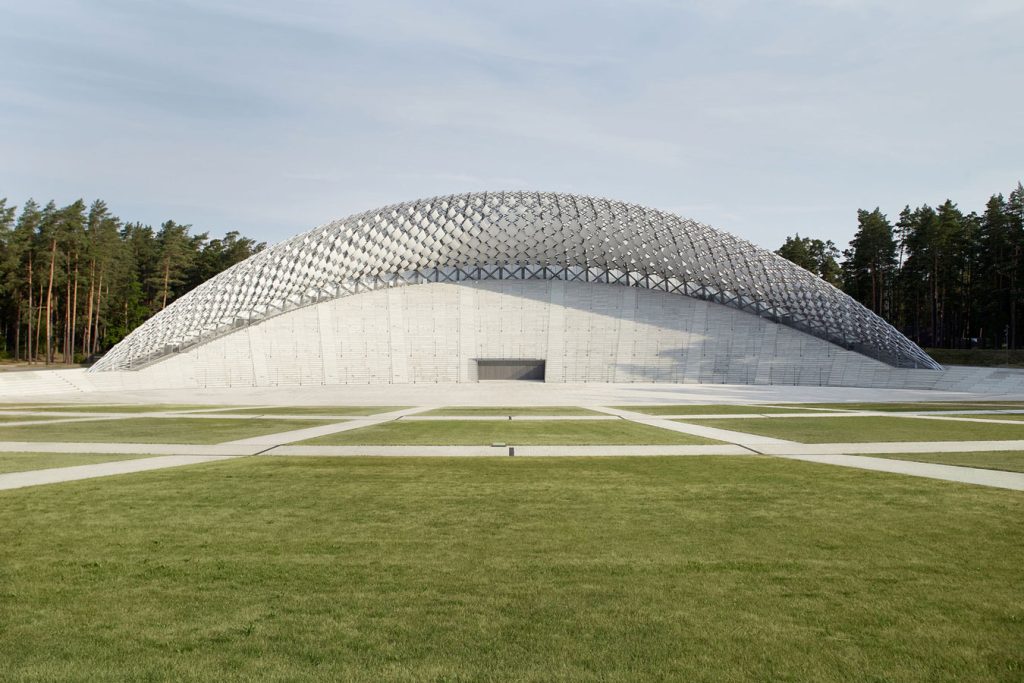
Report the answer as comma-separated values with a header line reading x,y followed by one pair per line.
x,y
514,235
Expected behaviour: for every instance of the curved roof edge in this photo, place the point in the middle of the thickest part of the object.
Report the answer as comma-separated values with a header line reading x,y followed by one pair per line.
x,y
513,235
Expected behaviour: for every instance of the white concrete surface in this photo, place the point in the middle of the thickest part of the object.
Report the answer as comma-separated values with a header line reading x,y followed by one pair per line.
x,y
281,438
432,333
963,475
890,447
481,451
489,394
56,475
586,332
755,442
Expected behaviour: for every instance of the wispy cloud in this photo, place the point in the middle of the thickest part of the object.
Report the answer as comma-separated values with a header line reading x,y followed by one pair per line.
x,y
768,117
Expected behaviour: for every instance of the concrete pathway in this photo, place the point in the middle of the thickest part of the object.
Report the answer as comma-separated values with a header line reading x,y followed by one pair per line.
x,y
751,441
734,443
891,447
481,451
17,480
505,394
963,475
281,438
506,418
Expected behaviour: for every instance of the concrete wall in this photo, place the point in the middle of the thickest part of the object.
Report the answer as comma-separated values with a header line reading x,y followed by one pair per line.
x,y
584,332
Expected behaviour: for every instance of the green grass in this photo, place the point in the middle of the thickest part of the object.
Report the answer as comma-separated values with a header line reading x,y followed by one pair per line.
x,y
477,433
109,408
26,418
712,409
916,406
28,406
477,411
1010,461
867,429
993,416
313,410
154,430
23,462
617,569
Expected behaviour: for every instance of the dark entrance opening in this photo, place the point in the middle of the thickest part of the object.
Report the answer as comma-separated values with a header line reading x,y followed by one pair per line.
x,y
510,368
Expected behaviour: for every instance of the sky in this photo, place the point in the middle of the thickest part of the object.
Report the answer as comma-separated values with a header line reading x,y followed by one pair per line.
x,y
763,118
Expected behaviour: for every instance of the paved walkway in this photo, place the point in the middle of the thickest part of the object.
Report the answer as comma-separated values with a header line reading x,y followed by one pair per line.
x,y
793,448
963,475
735,443
481,451
17,480
752,441
513,393
281,438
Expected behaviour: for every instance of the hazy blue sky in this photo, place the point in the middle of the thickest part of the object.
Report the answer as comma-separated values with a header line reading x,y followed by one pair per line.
x,y
763,118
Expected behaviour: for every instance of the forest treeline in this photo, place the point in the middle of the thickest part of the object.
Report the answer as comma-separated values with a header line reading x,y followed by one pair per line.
x,y
74,280
945,278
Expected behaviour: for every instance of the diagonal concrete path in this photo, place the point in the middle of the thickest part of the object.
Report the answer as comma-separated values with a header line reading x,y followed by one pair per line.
x,y
281,438
734,443
964,475
492,451
751,441
54,475
891,447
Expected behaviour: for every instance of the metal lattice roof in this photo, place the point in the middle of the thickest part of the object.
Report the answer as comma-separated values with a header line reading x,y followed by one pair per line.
x,y
514,235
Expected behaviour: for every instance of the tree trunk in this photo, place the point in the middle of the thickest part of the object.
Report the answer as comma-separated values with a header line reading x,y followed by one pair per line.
x,y
39,318
74,313
167,278
87,329
65,352
99,301
28,341
49,304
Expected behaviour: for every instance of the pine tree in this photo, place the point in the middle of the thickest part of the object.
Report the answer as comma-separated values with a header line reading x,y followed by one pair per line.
x,y
870,264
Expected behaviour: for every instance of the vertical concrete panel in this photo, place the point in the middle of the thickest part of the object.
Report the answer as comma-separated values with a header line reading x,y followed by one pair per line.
x,y
328,343
396,336
584,332
556,361
625,342
467,308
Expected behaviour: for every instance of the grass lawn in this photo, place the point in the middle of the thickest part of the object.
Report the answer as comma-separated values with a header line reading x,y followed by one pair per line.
x,y
154,430
915,406
867,429
477,411
713,409
617,569
23,462
993,416
109,408
314,410
27,418
1009,461
478,433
